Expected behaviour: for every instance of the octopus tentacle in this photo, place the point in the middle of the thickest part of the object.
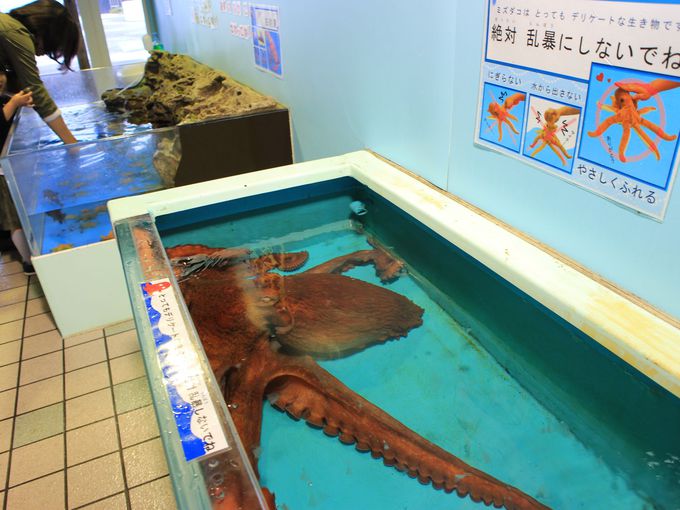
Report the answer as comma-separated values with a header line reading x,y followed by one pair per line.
x,y
306,391
539,148
561,147
623,145
510,125
603,126
538,137
559,154
387,268
646,109
648,141
514,100
283,261
657,130
190,250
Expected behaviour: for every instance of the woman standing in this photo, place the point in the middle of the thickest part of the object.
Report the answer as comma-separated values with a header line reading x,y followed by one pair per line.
x,y
43,27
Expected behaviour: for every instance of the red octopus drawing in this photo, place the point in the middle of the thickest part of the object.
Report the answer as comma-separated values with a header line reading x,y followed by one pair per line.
x,y
626,112
262,332
547,135
501,113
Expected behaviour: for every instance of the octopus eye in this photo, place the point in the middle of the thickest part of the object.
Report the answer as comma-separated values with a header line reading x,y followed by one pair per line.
x,y
267,300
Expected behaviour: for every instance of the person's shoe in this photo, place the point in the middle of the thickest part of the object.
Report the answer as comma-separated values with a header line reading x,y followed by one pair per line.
x,y
28,268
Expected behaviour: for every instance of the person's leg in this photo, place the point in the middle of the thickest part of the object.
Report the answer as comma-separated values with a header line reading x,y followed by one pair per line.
x,y
20,243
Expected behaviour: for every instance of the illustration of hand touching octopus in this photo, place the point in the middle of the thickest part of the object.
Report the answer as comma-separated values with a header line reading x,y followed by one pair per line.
x,y
501,113
547,135
626,112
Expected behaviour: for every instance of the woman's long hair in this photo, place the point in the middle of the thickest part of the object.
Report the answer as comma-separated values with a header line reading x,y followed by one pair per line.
x,y
55,31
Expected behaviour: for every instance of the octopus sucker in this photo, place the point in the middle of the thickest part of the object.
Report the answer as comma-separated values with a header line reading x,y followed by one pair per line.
x,y
317,313
390,462
331,430
315,420
362,447
346,438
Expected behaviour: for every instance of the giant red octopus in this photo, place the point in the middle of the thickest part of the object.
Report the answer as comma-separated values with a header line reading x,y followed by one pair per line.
x,y
262,332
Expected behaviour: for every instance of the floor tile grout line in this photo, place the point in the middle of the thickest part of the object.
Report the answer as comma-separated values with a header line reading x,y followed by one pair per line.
x,y
112,453
121,457
15,286
19,270
70,347
23,328
14,320
63,410
29,297
120,492
98,457
11,362
78,396
16,404
71,371
87,425
26,482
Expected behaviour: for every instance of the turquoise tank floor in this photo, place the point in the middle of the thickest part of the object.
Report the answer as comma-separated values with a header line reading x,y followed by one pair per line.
x,y
439,382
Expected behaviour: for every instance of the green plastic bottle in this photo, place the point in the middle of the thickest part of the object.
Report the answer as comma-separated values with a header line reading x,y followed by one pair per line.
x,y
156,42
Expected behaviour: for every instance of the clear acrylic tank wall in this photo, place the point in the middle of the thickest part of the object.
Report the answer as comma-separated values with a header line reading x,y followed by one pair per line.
x,y
61,192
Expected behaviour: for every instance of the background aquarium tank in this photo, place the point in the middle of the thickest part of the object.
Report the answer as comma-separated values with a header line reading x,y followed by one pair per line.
x,y
490,376
61,192
78,96
88,122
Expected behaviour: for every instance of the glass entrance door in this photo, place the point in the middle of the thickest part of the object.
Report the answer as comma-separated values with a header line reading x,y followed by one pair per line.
x,y
124,26
112,32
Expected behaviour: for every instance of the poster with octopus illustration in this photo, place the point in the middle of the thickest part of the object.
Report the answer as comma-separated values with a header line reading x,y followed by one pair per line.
x,y
588,91
266,38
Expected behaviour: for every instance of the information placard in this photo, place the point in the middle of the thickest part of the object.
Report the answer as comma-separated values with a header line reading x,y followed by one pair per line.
x,y
587,90
198,424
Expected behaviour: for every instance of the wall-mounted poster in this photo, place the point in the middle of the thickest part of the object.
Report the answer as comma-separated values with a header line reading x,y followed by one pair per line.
x,y
266,38
203,14
587,90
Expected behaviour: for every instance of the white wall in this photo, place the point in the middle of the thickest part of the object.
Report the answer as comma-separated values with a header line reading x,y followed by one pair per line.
x,y
402,78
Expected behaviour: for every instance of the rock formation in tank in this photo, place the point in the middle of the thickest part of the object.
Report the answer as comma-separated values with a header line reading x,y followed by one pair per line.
x,y
175,89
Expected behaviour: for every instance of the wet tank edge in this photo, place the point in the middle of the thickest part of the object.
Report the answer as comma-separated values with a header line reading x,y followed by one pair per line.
x,y
609,405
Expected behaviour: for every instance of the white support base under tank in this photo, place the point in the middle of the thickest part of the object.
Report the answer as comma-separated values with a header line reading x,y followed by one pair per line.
x,y
84,287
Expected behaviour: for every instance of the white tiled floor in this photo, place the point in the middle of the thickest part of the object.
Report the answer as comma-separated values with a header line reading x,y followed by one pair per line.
x,y
77,430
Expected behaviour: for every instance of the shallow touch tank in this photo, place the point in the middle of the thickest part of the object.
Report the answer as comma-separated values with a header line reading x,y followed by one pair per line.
x,y
176,89
488,375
